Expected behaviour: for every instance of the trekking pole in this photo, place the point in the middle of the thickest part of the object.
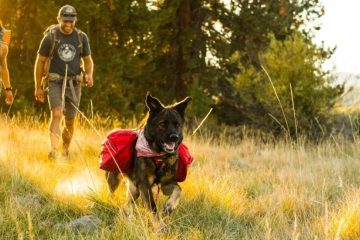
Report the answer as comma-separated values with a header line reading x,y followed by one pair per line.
x,y
88,121
64,88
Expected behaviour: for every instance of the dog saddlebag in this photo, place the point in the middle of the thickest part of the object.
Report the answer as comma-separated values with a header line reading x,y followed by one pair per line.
x,y
185,159
117,151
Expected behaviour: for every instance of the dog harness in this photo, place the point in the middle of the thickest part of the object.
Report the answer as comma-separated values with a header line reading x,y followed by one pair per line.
x,y
143,150
142,147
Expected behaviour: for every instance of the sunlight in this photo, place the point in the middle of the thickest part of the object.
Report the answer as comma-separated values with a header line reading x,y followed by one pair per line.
x,y
2,152
345,222
81,183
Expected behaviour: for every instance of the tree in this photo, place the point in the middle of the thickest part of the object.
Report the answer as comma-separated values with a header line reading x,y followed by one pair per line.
x,y
171,48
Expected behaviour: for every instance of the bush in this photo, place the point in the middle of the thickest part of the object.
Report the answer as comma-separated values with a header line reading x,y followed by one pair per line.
x,y
291,93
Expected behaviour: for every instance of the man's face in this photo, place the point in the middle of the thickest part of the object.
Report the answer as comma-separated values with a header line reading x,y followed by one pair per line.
x,y
67,26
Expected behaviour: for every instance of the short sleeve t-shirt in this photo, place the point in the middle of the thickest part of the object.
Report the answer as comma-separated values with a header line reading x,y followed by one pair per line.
x,y
67,51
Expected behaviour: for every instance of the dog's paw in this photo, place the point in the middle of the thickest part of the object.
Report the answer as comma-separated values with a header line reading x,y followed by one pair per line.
x,y
161,228
168,209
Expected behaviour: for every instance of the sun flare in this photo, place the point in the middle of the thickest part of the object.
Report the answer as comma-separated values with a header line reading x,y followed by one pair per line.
x,y
82,183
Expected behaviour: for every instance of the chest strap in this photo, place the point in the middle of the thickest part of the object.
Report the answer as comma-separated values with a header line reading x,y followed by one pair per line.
x,y
158,162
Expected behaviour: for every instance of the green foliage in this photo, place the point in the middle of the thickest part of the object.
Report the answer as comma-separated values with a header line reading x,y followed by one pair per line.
x,y
297,95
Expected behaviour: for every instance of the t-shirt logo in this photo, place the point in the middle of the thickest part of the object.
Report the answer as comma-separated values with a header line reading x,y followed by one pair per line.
x,y
66,52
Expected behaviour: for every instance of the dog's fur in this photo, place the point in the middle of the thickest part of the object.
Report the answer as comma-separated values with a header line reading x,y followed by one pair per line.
x,y
163,131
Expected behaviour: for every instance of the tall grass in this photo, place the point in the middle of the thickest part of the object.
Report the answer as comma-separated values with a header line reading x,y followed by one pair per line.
x,y
235,189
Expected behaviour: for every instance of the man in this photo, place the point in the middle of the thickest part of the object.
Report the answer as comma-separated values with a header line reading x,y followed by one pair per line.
x,y
4,71
59,58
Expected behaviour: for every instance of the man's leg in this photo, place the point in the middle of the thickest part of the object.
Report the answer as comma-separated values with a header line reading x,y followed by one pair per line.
x,y
54,130
71,107
67,134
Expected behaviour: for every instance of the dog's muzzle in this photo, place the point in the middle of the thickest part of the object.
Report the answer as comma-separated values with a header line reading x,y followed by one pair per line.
x,y
171,143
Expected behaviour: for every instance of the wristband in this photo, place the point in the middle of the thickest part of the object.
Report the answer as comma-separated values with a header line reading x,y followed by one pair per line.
x,y
8,89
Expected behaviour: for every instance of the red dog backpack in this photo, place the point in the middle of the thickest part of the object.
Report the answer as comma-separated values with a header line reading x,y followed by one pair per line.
x,y
117,153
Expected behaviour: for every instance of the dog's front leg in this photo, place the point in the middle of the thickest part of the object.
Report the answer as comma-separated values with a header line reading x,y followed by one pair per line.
x,y
173,190
147,196
131,195
132,192
113,182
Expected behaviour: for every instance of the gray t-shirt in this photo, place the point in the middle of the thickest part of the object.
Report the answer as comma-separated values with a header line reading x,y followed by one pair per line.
x,y
67,51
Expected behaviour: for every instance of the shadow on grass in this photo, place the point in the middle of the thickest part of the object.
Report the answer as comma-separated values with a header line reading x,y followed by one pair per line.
x,y
203,219
26,211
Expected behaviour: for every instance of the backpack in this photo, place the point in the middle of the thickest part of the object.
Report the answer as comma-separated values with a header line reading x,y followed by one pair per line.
x,y
117,151
52,30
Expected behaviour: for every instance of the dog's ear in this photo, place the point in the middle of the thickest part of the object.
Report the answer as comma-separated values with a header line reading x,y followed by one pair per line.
x,y
153,104
181,106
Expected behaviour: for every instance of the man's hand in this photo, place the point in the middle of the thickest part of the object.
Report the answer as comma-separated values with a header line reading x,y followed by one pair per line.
x,y
9,97
39,95
89,81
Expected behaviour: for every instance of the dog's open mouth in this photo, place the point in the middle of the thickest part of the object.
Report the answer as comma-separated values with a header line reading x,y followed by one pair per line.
x,y
169,147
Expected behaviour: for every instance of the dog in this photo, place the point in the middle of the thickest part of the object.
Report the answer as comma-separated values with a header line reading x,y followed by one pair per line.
x,y
162,133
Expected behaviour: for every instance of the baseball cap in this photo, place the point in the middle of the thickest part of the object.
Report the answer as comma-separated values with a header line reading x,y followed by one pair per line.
x,y
67,13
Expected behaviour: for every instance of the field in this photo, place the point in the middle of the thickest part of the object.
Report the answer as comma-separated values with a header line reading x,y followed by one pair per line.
x,y
235,189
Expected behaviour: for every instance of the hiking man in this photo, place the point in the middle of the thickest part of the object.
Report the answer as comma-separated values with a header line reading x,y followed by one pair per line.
x,y
4,71
58,65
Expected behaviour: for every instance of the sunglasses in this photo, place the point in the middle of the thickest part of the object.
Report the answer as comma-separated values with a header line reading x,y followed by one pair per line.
x,y
68,21
68,15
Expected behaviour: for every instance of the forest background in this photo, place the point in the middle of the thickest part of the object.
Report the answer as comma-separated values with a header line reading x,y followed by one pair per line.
x,y
253,62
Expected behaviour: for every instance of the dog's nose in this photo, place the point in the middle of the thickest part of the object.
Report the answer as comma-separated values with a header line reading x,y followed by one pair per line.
x,y
173,137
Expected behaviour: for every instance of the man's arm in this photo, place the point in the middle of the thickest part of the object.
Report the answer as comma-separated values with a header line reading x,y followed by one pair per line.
x,y
89,68
38,75
5,74
4,68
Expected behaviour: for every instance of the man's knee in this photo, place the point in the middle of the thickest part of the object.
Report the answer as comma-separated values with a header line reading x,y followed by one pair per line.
x,y
56,113
69,122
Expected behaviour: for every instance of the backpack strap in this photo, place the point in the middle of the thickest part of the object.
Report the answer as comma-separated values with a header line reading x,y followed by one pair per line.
x,y
54,40
80,36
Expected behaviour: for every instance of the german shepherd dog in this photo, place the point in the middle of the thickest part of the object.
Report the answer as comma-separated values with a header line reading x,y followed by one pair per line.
x,y
163,131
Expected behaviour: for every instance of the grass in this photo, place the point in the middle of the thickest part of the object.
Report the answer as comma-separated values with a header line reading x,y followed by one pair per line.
x,y
245,190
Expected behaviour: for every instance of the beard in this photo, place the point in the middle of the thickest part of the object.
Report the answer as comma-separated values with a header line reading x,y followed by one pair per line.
x,y
67,29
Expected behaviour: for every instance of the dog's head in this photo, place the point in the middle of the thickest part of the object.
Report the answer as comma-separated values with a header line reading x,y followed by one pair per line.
x,y
164,126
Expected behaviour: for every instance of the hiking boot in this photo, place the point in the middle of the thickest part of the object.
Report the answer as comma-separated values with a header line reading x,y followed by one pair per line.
x,y
53,155
65,154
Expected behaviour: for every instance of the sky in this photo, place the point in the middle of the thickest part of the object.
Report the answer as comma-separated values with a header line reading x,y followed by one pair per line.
x,y
340,26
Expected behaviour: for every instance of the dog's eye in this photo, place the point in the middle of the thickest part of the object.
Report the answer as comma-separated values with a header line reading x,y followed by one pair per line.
x,y
163,124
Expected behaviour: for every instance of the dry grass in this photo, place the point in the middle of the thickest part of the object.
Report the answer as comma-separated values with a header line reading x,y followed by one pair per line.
x,y
250,190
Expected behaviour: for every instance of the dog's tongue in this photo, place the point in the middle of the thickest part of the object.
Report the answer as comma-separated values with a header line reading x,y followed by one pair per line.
x,y
170,146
